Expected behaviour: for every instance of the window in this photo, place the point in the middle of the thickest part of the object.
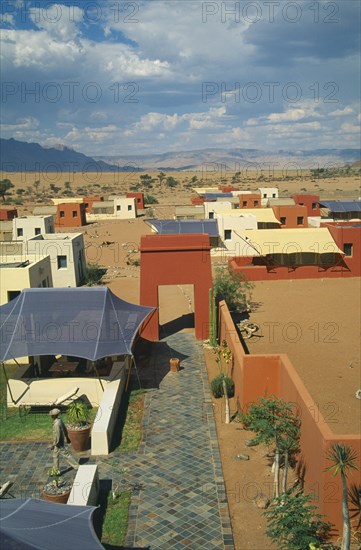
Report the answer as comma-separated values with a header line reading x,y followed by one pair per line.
x,y
210,215
62,214
62,262
227,234
314,205
300,203
244,203
299,220
347,248
138,200
20,232
43,283
283,220
75,214
273,195
37,230
86,204
264,195
130,207
119,208
256,203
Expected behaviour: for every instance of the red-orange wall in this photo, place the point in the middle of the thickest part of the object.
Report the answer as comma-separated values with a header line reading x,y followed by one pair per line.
x,y
197,200
8,214
291,213
283,273
251,199
347,233
348,266
307,200
176,260
68,220
139,199
259,375
227,188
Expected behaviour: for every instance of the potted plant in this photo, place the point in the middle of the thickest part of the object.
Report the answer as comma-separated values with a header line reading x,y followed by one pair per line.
x,y
56,490
78,425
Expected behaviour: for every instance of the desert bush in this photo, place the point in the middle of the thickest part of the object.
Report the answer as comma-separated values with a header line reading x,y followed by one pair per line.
x,y
217,386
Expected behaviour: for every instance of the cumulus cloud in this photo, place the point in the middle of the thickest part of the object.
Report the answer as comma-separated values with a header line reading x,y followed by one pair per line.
x,y
150,61
342,112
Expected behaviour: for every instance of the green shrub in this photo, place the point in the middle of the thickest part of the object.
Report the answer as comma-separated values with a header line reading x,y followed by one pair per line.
x,y
149,199
217,386
93,274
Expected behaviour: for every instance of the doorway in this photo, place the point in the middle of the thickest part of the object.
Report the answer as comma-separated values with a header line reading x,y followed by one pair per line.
x,y
176,308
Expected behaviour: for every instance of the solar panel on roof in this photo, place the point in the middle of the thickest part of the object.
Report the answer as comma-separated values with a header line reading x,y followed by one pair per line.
x,y
215,196
185,227
342,206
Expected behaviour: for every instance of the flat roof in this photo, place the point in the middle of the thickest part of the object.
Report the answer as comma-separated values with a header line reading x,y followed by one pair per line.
x,y
26,263
185,227
287,241
263,215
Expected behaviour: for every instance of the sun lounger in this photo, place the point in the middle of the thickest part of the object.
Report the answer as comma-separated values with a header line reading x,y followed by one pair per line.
x,y
54,391
35,394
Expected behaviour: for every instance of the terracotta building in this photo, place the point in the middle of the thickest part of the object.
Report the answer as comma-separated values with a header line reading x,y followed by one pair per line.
x,y
70,215
8,214
249,200
291,216
310,201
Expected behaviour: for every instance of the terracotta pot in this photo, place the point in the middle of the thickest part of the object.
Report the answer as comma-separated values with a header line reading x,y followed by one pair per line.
x,y
59,499
79,438
174,364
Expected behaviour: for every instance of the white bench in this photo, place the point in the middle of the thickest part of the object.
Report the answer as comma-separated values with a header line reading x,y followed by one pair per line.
x,y
85,488
107,415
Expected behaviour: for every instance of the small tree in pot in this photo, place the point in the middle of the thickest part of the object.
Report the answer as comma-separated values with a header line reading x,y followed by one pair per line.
x,y
56,490
78,425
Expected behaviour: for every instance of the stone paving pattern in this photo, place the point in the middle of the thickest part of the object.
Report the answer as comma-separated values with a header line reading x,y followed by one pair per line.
x,y
178,494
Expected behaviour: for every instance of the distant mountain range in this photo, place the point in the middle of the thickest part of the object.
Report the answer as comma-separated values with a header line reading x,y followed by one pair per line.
x,y
238,159
20,156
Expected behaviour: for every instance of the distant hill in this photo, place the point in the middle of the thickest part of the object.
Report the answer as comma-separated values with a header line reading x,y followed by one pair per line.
x,y
238,159
20,156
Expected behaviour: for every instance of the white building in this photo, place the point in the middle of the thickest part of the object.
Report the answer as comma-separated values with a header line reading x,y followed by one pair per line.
x,y
115,208
268,193
211,208
67,256
26,227
17,273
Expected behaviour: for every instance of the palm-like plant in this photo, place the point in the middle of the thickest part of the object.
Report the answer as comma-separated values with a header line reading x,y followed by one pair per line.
x,y
343,460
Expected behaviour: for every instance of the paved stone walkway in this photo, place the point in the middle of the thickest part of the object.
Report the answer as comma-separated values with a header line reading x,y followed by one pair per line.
x,y
178,493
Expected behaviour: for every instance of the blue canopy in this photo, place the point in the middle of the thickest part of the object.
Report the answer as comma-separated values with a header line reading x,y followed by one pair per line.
x,y
81,322
185,227
341,206
34,523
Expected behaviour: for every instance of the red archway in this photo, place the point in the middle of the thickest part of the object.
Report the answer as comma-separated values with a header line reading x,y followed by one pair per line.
x,y
171,260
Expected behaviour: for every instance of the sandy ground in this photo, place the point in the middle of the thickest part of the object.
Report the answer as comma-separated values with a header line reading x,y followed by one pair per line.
x,y
317,324
120,183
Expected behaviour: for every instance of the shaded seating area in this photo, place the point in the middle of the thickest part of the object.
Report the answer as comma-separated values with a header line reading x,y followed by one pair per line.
x,y
71,334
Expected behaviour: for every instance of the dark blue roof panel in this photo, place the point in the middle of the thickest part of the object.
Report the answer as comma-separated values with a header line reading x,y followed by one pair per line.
x,y
342,206
215,196
185,227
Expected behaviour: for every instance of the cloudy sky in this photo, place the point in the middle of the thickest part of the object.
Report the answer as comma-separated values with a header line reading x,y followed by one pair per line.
x,y
111,77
